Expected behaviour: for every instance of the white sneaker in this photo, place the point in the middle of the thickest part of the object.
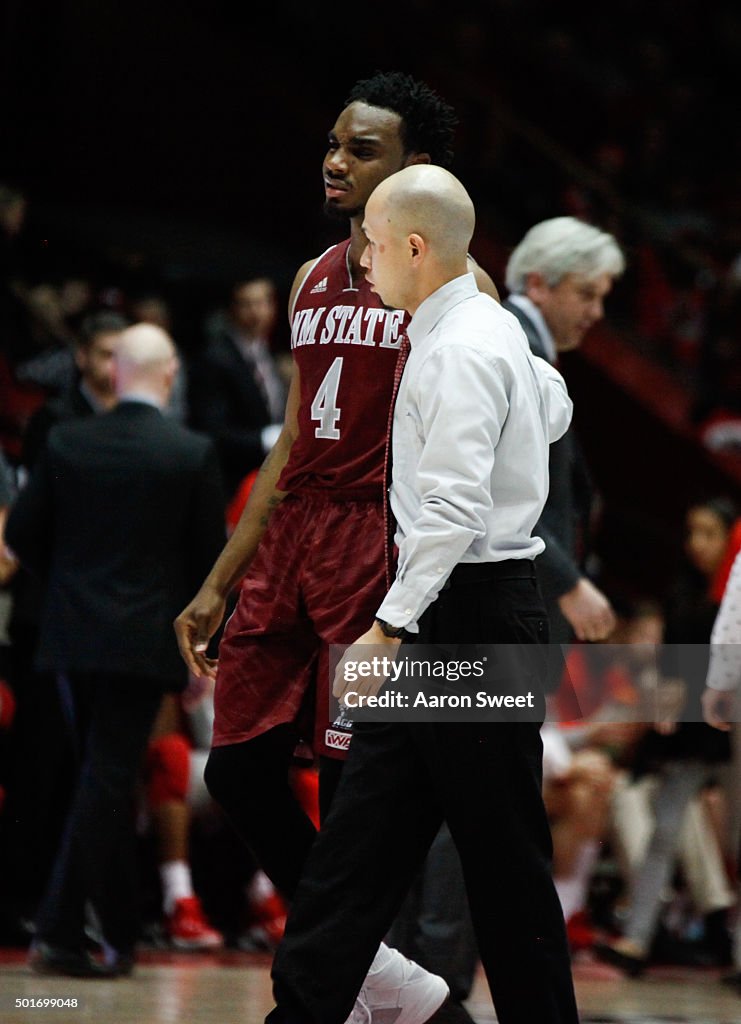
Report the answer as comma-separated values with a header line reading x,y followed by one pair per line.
x,y
360,1013
402,992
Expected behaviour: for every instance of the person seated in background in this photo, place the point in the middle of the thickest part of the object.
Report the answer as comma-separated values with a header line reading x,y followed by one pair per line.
x,y
237,394
168,780
680,750
176,795
594,803
584,750
721,707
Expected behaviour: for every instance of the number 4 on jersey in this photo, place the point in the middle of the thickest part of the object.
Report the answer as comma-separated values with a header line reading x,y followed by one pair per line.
x,y
324,408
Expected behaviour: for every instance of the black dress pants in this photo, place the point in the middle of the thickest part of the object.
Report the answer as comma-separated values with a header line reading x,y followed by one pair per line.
x,y
250,782
434,926
400,782
114,715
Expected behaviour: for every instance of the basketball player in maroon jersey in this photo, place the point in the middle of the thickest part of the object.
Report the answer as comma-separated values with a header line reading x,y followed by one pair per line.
x,y
311,538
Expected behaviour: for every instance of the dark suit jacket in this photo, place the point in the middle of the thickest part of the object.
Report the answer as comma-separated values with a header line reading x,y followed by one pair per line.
x,y
567,506
124,514
228,404
69,405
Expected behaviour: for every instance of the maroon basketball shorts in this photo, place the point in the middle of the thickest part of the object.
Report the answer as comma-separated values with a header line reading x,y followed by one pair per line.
x,y
317,579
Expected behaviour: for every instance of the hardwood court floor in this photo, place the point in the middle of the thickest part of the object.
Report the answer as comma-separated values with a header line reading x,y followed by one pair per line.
x,y
234,988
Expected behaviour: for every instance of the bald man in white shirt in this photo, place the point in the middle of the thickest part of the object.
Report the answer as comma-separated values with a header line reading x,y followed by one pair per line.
x,y
474,415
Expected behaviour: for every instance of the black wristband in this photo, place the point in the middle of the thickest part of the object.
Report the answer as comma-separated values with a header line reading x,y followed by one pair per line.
x,y
394,632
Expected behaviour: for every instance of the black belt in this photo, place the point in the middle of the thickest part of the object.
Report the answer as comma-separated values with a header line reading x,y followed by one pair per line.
x,y
485,572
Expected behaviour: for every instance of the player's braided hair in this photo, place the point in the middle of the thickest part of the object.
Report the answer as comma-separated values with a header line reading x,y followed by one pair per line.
x,y
427,121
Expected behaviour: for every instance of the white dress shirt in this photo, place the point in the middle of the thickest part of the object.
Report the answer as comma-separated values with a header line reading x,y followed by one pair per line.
x,y
725,642
474,416
256,353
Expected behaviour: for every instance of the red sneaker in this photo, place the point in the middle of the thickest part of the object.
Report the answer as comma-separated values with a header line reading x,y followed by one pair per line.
x,y
267,921
188,928
580,932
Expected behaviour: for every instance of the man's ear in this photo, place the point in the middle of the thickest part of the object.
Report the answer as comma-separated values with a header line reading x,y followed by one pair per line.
x,y
417,247
536,287
418,158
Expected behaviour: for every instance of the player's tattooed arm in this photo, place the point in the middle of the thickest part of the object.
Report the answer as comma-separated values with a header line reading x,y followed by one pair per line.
x,y
272,504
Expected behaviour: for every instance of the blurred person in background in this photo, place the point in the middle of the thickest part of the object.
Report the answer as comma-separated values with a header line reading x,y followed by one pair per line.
x,y
13,208
122,514
250,911
93,390
41,759
587,749
168,777
721,704
8,563
558,278
150,308
681,750
59,309
237,394
8,568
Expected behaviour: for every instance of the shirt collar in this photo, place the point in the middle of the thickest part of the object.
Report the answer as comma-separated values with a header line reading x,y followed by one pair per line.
x,y
93,401
142,397
438,303
531,310
249,345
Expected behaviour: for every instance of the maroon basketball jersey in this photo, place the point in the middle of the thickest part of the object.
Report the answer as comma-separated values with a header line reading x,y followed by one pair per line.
x,y
345,344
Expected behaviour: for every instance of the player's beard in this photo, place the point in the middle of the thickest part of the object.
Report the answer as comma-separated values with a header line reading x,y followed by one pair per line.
x,y
342,213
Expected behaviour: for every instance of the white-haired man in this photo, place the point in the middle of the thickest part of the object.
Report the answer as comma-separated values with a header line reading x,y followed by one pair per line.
x,y
558,278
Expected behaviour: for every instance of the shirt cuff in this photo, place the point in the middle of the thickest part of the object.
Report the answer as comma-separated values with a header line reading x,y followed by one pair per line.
x,y
401,607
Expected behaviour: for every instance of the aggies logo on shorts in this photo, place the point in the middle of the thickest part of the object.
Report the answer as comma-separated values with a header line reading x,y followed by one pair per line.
x,y
337,740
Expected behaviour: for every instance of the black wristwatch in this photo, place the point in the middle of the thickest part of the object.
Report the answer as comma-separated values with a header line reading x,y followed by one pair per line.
x,y
395,632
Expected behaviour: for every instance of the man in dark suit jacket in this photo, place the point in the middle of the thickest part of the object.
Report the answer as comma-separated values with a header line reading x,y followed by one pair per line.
x,y
237,395
38,799
92,392
558,277
124,515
